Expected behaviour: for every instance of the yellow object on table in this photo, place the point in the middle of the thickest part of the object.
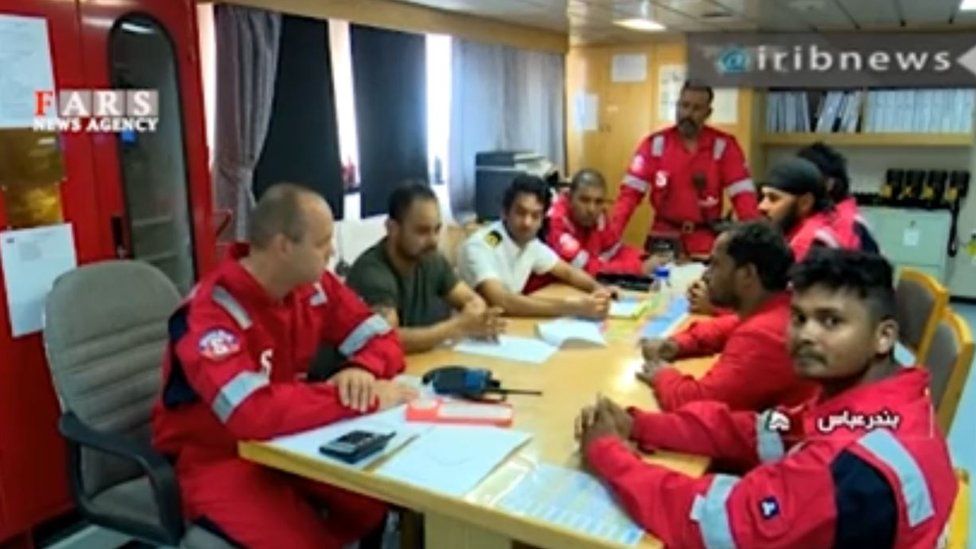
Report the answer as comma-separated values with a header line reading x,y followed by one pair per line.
x,y
569,381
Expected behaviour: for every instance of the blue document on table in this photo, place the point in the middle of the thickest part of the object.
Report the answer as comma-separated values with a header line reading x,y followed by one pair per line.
x,y
573,500
665,323
522,349
453,459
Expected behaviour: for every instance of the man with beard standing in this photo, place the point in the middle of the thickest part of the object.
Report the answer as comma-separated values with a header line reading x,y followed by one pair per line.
x,y
687,168
406,279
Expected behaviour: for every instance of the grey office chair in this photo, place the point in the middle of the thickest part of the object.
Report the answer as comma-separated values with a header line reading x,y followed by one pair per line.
x,y
105,332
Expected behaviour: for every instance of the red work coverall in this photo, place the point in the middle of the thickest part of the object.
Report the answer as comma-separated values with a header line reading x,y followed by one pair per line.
x,y
686,188
866,468
754,370
595,250
815,230
233,371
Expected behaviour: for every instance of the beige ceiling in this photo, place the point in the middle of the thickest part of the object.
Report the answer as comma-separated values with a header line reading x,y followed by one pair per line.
x,y
591,21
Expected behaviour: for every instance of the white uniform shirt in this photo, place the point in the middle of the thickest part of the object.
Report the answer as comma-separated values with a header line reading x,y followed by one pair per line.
x,y
490,253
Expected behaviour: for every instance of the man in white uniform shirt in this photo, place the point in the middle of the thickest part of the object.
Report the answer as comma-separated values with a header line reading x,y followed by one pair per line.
x,y
497,260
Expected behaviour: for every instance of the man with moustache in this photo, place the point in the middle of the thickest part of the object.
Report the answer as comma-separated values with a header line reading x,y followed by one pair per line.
x,y
861,465
407,280
498,259
686,169
582,235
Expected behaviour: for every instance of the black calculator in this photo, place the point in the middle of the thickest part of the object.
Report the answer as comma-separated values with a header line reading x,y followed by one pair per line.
x,y
356,445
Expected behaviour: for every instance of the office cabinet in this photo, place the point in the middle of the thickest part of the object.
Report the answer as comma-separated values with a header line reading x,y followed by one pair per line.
x,y
912,238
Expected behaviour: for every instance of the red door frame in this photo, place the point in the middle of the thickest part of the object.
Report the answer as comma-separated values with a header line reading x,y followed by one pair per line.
x,y
33,481
178,17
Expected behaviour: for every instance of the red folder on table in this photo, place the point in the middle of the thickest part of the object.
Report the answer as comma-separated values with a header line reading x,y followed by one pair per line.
x,y
442,410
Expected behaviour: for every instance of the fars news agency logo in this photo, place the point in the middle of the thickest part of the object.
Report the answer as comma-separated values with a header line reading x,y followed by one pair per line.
x,y
96,111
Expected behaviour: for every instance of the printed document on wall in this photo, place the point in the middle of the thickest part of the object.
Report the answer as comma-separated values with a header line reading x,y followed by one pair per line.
x,y
629,67
725,106
670,80
25,58
32,260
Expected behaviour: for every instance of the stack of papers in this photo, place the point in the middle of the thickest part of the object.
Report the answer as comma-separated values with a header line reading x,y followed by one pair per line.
x,y
307,443
523,349
573,500
453,459
562,330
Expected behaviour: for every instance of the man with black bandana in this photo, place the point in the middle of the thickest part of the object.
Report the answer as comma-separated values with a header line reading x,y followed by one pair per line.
x,y
794,198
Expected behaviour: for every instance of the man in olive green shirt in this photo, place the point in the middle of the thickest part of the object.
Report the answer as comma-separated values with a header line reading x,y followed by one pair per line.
x,y
405,278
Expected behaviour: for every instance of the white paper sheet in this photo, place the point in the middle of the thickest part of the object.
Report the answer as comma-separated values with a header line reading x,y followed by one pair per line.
x,y
627,307
629,67
452,459
670,79
574,500
562,330
25,58
307,443
725,106
32,259
587,108
523,349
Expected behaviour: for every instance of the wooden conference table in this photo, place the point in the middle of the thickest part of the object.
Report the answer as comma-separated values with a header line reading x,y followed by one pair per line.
x,y
570,379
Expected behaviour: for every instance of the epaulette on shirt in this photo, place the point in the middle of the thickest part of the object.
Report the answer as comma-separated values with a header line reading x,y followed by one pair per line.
x,y
493,238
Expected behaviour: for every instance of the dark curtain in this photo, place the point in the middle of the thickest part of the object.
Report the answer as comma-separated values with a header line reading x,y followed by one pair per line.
x,y
303,139
390,85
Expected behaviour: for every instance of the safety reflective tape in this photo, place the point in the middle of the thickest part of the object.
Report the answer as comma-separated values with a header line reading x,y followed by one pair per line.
x,y
233,307
914,488
636,183
580,260
742,186
711,514
235,392
657,146
718,148
370,327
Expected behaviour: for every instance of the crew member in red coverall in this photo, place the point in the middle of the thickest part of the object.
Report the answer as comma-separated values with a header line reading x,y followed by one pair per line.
x,y
862,465
686,168
795,200
581,234
846,218
748,272
239,348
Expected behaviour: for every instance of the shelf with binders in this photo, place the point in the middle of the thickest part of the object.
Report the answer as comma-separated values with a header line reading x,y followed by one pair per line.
x,y
800,139
869,118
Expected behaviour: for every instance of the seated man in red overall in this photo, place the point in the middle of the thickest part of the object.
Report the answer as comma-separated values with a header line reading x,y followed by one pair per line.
x,y
794,199
239,348
748,272
582,235
862,465
846,217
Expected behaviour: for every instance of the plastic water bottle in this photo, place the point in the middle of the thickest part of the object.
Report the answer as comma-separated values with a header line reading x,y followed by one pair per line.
x,y
662,281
